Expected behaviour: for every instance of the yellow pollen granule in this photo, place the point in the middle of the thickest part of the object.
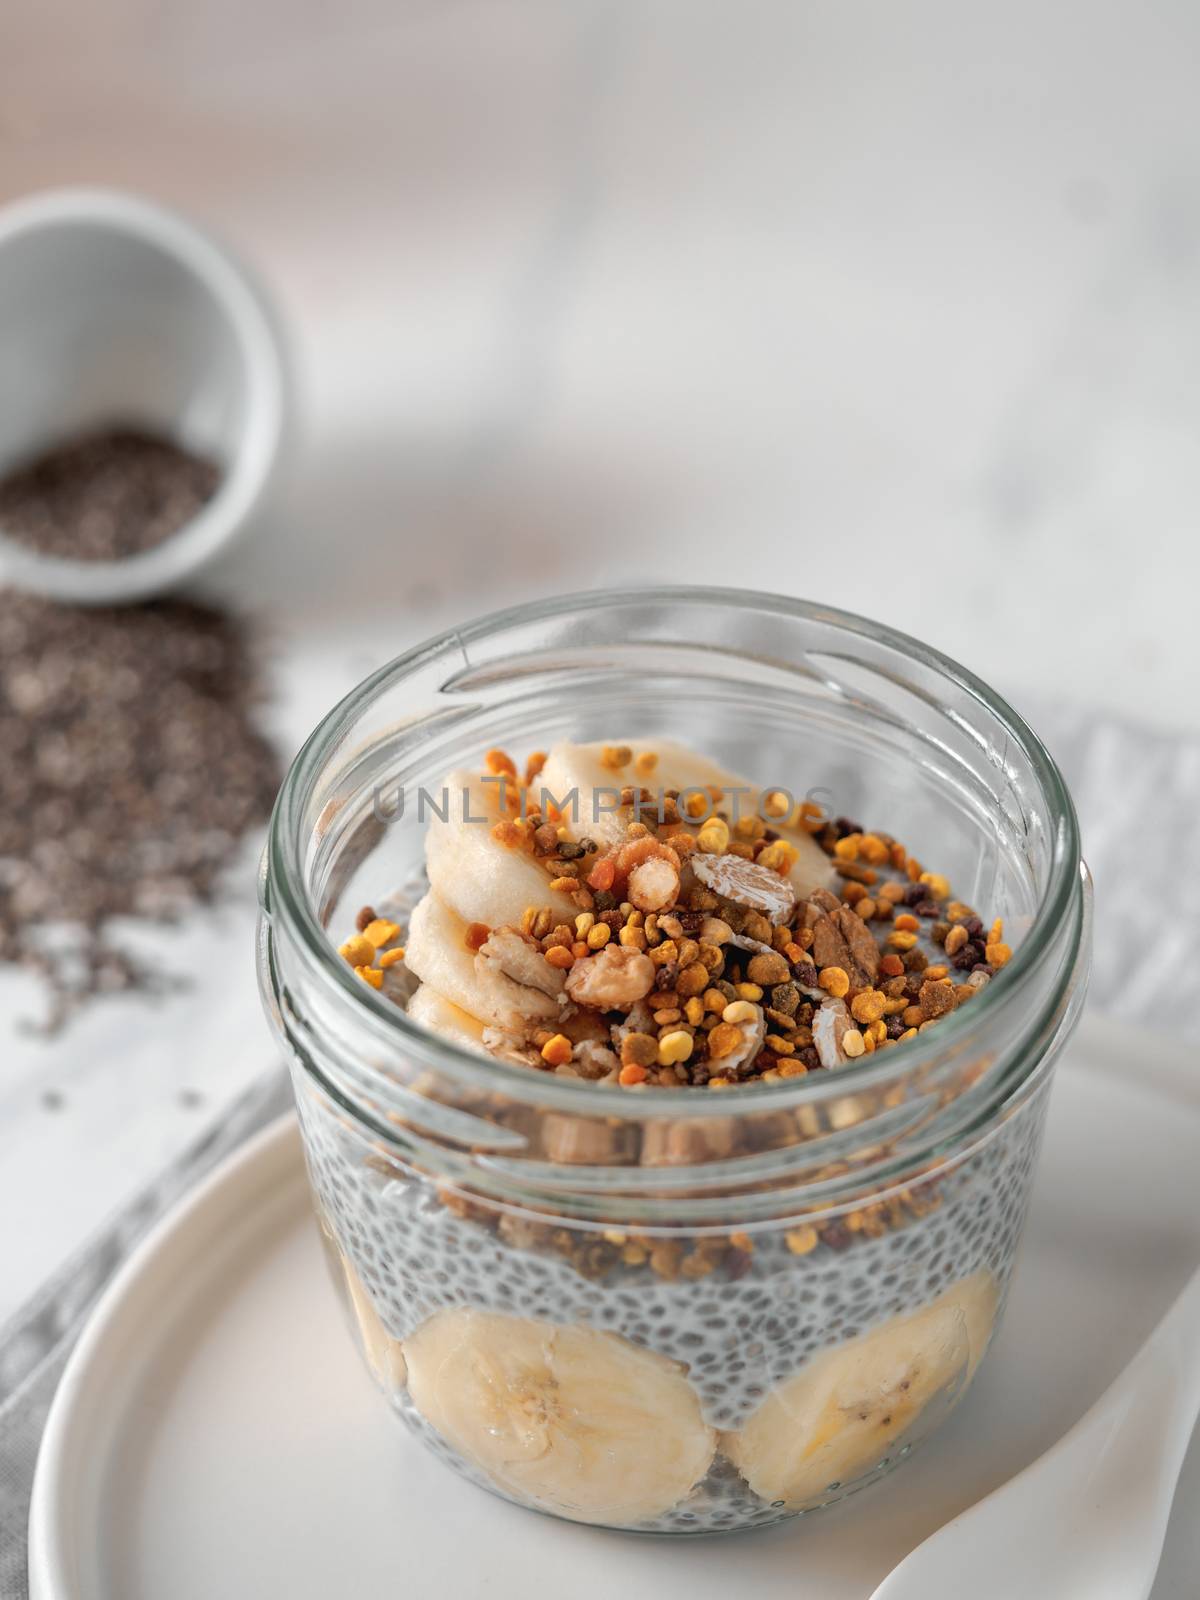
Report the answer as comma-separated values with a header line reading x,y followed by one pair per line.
x,y
358,951
673,1047
835,981
868,1006
713,837
779,856
801,1240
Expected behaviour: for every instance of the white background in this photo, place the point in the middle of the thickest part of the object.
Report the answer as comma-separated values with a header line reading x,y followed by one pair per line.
x,y
896,306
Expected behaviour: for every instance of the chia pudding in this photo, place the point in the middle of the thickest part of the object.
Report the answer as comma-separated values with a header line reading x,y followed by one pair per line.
x,y
632,917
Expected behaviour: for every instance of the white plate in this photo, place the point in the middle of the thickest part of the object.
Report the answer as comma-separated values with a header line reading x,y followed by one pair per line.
x,y
215,1435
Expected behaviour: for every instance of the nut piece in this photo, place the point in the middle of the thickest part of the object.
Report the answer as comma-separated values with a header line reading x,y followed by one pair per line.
x,y
841,939
747,884
653,885
584,1141
520,959
829,1028
612,980
686,1142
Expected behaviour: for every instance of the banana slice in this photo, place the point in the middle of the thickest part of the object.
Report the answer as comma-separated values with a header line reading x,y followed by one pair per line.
x,y
436,951
567,1419
477,876
842,1412
583,769
440,1015
383,1353
433,1011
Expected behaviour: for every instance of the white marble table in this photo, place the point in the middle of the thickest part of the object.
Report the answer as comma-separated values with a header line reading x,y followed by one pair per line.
x,y
896,307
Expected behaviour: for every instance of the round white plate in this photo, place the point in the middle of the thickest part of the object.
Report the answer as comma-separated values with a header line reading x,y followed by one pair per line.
x,y
215,1434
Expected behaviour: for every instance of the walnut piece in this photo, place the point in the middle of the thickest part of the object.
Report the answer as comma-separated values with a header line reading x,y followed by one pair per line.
x,y
841,939
612,980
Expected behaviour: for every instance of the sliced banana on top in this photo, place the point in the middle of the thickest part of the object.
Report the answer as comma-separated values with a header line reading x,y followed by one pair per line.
x,y
657,764
836,1418
568,1419
436,951
433,1011
584,782
477,876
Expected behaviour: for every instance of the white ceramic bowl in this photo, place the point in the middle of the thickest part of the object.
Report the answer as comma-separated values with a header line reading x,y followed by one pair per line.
x,y
116,311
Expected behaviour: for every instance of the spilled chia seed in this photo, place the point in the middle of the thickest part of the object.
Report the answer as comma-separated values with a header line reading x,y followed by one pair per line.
x,y
131,770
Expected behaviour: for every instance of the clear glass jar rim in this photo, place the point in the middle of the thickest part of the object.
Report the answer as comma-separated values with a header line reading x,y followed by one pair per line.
x,y
285,897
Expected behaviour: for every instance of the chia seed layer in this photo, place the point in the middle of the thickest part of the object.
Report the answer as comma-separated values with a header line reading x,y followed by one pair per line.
x,y
684,954
737,1337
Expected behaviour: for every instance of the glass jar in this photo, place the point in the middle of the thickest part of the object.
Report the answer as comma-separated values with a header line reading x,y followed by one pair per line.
x,y
675,1310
